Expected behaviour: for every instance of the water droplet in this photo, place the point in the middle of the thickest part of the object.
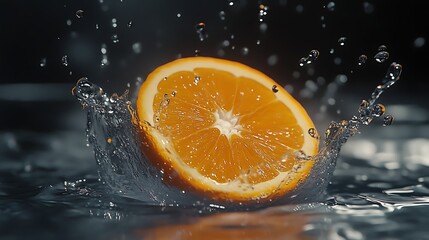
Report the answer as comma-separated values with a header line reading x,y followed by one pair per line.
x,y
342,41
137,47
313,133
337,61
419,42
197,80
222,15
368,8
201,31
274,88
330,6
115,38
272,60
79,13
387,121
109,140
381,56
69,22
299,8
378,110
332,51
197,52
64,60
231,3
382,48
263,27
97,26
130,24
244,50
362,59
263,9
179,15
173,93
313,55
114,23
258,42
363,106
43,62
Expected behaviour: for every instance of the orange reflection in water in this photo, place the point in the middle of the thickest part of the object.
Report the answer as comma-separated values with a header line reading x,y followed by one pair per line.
x,y
237,225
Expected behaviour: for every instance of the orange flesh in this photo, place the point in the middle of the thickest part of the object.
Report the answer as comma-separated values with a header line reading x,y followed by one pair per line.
x,y
266,129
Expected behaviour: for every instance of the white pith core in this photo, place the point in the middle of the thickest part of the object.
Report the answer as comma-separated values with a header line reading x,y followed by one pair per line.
x,y
227,123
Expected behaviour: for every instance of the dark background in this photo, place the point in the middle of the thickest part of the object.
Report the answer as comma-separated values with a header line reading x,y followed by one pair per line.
x,y
36,30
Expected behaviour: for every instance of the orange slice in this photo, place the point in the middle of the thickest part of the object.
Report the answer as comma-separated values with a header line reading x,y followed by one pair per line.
x,y
225,130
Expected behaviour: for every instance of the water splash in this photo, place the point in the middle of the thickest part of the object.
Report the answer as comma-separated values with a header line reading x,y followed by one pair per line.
x,y
114,134
312,56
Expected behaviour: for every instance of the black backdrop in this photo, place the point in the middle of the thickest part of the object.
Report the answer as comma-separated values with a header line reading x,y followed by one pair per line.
x,y
35,30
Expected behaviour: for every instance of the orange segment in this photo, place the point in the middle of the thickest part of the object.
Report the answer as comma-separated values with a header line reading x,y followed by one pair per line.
x,y
222,131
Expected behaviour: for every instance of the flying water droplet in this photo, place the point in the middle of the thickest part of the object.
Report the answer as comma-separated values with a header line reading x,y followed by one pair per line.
x,y
179,15
388,120
362,59
342,41
368,8
114,22
43,62
231,3
272,60
64,60
330,6
419,42
222,15
381,56
97,26
378,110
312,56
137,47
274,89
201,31
332,51
79,13
130,24
115,38
244,51
263,9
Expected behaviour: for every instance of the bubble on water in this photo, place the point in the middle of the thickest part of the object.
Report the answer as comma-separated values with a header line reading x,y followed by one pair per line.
x,y
263,10
274,88
313,133
79,13
130,24
201,31
43,62
197,80
313,55
115,38
137,47
419,42
381,56
368,8
222,15
69,22
342,41
387,120
382,48
64,60
244,51
272,60
114,22
362,59
299,8
330,6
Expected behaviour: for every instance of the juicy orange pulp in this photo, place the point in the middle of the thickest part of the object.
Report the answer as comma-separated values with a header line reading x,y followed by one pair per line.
x,y
225,130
